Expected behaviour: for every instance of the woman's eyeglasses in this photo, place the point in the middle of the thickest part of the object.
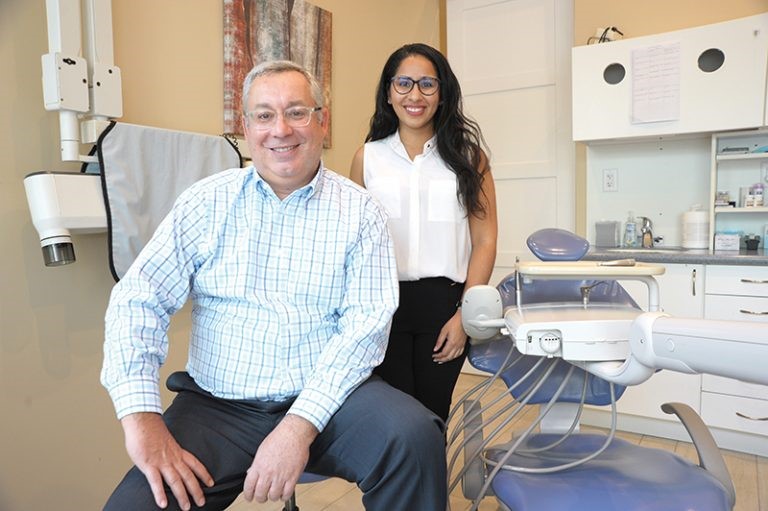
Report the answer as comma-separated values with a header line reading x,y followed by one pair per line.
x,y
404,84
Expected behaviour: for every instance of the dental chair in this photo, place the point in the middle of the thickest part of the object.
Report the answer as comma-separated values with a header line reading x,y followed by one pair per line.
x,y
550,465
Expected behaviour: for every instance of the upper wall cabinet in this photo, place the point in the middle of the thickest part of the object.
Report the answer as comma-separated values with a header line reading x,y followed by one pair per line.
x,y
703,79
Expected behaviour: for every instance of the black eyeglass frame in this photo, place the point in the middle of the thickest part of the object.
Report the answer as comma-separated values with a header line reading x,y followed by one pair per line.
x,y
415,82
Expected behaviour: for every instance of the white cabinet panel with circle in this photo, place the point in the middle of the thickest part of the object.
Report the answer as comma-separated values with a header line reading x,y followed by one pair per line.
x,y
696,80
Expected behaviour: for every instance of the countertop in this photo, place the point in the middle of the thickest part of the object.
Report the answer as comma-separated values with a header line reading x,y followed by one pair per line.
x,y
679,255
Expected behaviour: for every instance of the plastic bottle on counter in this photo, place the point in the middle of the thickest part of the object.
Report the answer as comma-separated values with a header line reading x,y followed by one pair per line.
x,y
630,231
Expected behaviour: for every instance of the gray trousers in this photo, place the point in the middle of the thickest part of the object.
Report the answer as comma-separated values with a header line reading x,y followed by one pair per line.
x,y
382,439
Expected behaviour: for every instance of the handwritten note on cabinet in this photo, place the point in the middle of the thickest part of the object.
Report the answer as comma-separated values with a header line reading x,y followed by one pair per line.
x,y
656,83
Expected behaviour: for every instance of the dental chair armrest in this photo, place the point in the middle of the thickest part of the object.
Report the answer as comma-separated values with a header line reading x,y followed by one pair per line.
x,y
709,454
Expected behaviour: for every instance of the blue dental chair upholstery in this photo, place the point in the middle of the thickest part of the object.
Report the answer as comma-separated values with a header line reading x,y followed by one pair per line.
x,y
623,476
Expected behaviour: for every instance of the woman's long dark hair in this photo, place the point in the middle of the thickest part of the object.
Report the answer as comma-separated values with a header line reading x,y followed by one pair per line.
x,y
459,140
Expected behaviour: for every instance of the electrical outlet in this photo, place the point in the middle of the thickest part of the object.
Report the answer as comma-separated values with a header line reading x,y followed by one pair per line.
x,y
610,180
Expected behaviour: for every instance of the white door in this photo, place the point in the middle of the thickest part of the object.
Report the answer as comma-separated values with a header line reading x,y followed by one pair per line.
x,y
513,59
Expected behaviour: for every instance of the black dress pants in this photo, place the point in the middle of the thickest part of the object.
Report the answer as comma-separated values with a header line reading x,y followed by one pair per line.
x,y
425,306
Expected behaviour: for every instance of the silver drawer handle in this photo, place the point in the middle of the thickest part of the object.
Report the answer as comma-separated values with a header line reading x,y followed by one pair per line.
x,y
754,313
751,418
754,281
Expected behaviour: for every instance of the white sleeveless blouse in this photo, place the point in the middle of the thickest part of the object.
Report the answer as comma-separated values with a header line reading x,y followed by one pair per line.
x,y
429,226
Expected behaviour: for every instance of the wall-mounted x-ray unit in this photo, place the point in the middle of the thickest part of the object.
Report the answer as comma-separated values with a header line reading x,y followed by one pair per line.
x,y
82,84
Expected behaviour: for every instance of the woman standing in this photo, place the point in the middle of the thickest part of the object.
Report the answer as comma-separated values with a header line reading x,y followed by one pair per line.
x,y
424,162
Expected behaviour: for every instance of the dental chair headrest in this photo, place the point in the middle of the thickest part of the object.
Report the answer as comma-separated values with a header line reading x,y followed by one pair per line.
x,y
557,245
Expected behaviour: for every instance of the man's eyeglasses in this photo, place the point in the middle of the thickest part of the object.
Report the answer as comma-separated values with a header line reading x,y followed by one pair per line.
x,y
295,117
404,84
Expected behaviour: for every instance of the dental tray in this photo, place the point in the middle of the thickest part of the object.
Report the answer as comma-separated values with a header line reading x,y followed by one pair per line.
x,y
586,269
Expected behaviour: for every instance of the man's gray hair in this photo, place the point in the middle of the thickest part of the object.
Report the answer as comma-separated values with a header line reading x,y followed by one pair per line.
x,y
271,67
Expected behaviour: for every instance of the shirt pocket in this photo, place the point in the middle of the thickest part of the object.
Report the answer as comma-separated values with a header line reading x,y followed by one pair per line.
x,y
386,190
443,204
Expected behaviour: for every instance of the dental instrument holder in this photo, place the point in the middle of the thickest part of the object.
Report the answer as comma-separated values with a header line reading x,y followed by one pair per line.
x,y
567,331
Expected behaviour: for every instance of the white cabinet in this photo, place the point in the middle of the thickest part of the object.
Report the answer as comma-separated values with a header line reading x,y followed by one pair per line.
x,y
702,79
739,161
682,295
736,293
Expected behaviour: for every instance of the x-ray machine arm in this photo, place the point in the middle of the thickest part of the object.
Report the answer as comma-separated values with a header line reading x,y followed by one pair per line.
x,y
82,84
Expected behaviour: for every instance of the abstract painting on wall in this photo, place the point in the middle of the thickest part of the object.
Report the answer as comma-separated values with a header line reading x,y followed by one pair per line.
x,y
260,30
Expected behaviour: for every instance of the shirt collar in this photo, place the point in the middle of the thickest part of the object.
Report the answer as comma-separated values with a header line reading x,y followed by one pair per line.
x,y
397,145
306,191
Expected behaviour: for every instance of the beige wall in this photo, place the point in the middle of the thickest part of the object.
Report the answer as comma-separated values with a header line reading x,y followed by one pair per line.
x,y
172,69
60,446
637,18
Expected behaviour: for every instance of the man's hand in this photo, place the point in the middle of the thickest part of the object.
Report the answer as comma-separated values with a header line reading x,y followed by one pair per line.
x,y
280,460
451,340
160,458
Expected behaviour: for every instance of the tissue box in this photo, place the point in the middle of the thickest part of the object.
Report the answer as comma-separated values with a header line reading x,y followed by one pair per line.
x,y
607,233
726,241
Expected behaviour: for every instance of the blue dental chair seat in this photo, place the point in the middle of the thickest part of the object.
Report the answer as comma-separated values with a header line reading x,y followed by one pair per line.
x,y
623,476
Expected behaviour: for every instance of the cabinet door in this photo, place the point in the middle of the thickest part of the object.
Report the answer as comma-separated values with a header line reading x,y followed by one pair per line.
x,y
681,293
681,290
666,84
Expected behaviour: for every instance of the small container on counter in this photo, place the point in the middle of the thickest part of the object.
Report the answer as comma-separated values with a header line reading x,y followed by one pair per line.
x,y
696,228
727,241
751,241
607,233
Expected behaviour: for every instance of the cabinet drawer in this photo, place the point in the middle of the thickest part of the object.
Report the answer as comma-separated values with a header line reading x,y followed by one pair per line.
x,y
737,413
737,280
737,308
721,385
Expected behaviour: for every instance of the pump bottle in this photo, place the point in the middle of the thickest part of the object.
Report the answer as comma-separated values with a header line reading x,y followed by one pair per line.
x,y
630,231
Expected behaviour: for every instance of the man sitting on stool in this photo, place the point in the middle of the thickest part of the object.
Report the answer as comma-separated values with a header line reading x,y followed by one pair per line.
x,y
292,278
